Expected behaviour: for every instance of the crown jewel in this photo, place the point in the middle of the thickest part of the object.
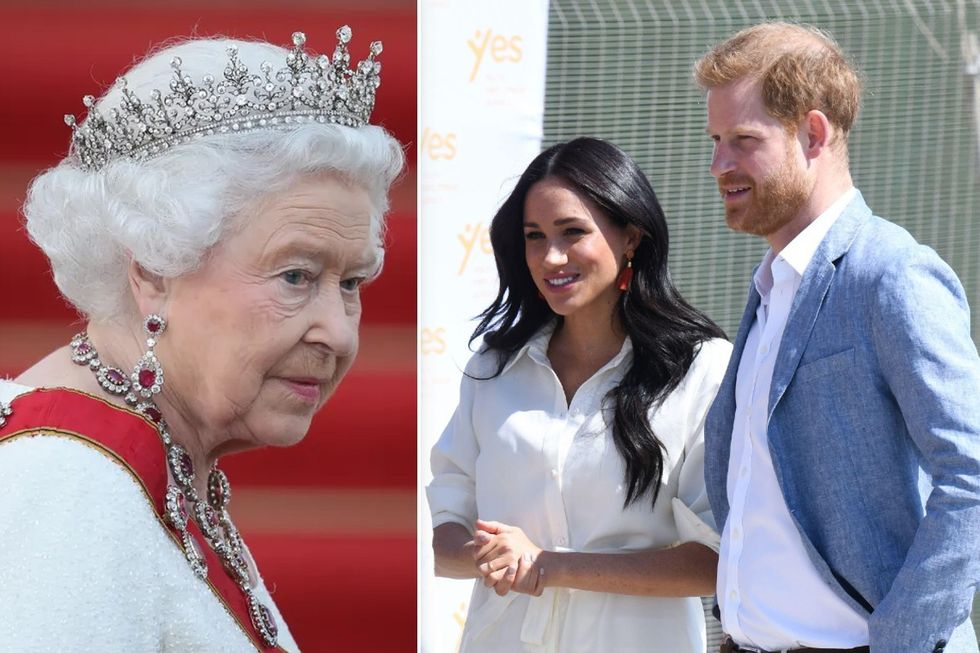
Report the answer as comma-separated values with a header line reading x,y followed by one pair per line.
x,y
306,88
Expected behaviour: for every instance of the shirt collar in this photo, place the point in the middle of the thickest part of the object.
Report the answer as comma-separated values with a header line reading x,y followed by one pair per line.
x,y
796,256
537,350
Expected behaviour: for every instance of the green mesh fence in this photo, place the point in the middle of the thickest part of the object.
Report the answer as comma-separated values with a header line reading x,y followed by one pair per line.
x,y
621,70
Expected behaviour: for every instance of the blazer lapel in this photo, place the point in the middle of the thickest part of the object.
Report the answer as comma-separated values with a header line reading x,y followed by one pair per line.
x,y
810,297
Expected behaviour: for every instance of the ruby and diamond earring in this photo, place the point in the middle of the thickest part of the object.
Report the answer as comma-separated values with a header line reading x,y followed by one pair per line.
x,y
146,379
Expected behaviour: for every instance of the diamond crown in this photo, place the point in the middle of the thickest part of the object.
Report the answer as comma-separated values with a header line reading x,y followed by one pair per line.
x,y
306,89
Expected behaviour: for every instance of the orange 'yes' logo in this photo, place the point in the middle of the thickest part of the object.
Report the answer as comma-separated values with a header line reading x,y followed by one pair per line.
x,y
471,236
500,48
437,145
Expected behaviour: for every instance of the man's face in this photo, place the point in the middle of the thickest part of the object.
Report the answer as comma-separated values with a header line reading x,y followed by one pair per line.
x,y
760,167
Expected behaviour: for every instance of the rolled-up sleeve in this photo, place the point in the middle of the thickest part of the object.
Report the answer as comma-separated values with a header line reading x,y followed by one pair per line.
x,y
452,493
692,513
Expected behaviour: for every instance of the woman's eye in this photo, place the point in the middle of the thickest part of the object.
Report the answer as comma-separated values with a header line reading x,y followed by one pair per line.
x,y
295,277
352,284
533,235
574,231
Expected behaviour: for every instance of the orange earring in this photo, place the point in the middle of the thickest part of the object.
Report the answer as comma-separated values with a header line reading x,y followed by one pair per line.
x,y
626,276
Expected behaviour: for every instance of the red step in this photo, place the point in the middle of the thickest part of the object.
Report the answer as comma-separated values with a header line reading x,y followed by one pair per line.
x,y
342,594
87,45
391,299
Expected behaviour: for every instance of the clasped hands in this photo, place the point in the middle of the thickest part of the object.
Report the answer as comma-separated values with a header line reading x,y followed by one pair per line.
x,y
507,559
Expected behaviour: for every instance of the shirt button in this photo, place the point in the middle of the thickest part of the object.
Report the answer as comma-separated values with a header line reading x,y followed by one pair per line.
x,y
743,472
561,540
736,532
554,473
733,595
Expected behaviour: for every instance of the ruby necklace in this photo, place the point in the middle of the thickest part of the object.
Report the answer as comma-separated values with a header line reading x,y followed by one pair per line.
x,y
211,513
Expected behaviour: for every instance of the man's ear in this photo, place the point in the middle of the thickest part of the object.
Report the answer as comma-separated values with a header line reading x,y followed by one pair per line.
x,y
150,290
815,133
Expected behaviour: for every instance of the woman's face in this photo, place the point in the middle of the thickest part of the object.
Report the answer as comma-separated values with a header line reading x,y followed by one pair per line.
x,y
574,252
259,337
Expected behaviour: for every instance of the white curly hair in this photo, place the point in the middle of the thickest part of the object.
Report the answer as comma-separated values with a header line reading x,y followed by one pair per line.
x,y
167,212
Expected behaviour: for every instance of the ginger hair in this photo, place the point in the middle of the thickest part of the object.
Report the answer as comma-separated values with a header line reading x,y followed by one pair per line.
x,y
799,68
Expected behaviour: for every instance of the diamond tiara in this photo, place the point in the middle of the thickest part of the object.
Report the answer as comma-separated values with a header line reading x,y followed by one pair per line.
x,y
306,89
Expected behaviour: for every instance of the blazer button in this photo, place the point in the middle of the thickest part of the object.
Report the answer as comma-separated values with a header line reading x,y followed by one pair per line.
x,y
940,646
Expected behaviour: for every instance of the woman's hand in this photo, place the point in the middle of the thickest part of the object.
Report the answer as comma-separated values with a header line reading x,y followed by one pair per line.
x,y
507,559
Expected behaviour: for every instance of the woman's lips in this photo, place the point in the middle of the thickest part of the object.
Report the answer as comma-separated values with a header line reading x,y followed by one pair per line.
x,y
560,283
307,389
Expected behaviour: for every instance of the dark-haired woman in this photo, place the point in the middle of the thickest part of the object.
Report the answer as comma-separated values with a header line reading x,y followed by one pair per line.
x,y
570,478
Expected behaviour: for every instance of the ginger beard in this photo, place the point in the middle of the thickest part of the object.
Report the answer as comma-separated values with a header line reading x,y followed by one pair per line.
x,y
774,201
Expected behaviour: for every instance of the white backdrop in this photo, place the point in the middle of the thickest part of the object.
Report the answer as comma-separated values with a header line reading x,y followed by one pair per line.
x,y
482,87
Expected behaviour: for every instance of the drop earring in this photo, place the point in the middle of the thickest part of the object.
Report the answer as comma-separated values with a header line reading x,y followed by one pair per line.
x,y
147,377
626,276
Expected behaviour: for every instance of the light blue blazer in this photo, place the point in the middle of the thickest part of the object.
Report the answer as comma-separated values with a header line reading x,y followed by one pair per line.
x,y
874,432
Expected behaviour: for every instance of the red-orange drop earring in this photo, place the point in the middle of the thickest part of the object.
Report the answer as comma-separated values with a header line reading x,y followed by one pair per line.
x,y
626,276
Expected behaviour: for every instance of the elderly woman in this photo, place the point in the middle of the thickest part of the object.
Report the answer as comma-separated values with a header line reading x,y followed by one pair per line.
x,y
218,213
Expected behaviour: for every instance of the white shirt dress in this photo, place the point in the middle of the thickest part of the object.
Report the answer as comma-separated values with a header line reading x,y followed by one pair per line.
x,y
517,453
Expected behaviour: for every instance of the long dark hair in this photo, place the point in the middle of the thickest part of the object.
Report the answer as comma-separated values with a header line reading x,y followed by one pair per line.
x,y
666,331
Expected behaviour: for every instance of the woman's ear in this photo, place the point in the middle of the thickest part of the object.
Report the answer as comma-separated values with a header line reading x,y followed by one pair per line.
x,y
150,291
633,237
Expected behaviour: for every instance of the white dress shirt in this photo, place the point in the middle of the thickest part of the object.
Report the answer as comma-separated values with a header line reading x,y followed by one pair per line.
x,y
771,595
514,452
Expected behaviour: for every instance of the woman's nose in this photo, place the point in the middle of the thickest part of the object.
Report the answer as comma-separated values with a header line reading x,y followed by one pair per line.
x,y
555,255
335,324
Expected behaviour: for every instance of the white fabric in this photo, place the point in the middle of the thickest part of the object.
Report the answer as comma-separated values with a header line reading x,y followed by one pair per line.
x,y
87,566
771,596
516,453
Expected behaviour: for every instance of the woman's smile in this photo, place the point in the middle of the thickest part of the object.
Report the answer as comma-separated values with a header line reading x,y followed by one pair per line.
x,y
561,283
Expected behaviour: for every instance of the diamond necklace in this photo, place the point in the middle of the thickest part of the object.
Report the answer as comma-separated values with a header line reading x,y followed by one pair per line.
x,y
211,515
